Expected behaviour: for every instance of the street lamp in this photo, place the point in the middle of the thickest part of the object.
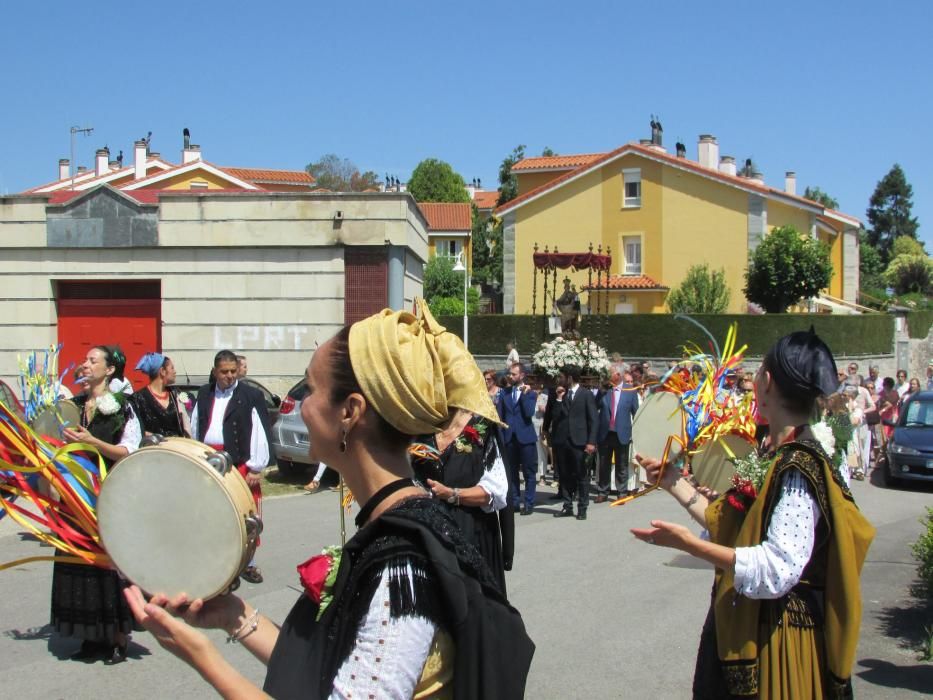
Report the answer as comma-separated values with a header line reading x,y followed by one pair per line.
x,y
460,266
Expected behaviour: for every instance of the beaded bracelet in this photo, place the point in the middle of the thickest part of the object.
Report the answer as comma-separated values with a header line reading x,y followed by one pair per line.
x,y
252,623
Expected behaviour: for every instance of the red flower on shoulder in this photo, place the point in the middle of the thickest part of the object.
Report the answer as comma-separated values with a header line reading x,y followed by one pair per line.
x,y
472,434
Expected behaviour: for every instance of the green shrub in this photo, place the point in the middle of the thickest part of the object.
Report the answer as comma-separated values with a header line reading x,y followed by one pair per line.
x,y
662,335
923,553
703,291
919,322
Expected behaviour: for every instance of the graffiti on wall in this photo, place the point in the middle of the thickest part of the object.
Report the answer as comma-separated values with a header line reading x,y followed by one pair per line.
x,y
260,337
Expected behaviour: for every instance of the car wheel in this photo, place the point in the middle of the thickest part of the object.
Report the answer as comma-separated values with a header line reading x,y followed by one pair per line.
x,y
286,468
887,478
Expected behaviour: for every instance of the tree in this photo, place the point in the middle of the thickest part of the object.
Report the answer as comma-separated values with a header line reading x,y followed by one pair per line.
x,y
508,183
702,292
443,288
889,212
911,270
487,250
434,180
332,172
818,195
548,152
785,268
870,265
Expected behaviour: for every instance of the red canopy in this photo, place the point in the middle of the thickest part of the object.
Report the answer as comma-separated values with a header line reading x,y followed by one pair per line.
x,y
577,261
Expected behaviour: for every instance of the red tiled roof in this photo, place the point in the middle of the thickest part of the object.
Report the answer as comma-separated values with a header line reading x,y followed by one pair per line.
x,y
574,160
266,176
484,199
653,154
447,217
629,282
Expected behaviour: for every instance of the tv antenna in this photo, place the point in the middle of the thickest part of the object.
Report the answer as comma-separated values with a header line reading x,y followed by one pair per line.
x,y
86,130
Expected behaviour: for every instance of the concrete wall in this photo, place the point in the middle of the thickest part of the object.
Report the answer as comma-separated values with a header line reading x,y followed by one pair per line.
x,y
262,274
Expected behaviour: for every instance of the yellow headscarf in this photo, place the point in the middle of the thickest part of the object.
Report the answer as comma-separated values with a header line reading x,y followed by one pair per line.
x,y
414,372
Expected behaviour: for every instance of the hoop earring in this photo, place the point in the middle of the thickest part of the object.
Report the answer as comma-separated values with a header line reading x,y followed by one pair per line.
x,y
343,441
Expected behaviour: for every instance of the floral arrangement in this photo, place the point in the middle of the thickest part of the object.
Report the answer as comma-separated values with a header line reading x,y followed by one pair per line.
x,y
834,433
318,575
111,406
746,482
471,435
583,353
187,400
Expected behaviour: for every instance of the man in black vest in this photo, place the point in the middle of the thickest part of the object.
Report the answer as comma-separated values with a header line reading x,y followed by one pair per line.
x,y
230,415
573,422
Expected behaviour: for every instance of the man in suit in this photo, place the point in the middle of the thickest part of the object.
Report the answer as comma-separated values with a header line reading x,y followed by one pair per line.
x,y
230,415
616,410
574,421
517,409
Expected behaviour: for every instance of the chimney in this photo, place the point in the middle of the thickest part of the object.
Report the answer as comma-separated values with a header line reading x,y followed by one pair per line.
x,y
64,169
708,151
101,161
191,154
790,182
727,165
155,154
681,150
114,165
139,159
757,177
82,169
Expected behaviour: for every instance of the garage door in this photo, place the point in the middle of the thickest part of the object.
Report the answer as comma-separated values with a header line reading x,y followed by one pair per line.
x,y
128,314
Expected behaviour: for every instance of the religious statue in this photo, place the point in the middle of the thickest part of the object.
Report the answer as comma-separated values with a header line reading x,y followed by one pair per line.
x,y
568,306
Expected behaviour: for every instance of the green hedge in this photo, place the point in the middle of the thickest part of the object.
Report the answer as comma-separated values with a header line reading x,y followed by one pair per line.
x,y
918,323
662,335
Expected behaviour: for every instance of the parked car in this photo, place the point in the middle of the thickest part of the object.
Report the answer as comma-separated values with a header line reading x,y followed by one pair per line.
x,y
910,449
290,441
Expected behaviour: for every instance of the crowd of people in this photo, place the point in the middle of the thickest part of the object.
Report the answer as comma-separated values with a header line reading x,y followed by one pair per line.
x,y
440,458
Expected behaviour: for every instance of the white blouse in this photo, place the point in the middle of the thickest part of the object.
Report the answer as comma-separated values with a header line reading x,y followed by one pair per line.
x,y
496,484
770,569
388,655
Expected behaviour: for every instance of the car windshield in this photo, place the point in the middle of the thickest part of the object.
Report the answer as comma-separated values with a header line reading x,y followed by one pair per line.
x,y
918,414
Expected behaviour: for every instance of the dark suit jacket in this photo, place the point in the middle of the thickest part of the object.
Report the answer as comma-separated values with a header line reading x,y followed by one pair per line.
x,y
518,415
625,411
573,422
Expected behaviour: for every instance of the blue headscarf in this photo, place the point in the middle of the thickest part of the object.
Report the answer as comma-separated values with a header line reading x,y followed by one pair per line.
x,y
151,363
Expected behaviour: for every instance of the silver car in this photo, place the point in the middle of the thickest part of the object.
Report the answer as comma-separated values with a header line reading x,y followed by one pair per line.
x,y
290,441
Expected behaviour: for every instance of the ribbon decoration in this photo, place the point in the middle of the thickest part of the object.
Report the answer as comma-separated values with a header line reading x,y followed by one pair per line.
x,y
709,410
75,471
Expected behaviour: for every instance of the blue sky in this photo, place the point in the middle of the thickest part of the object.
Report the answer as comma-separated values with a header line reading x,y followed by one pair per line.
x,y
836,91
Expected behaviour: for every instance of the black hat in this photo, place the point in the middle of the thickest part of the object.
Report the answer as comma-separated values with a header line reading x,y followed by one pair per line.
x,y
802,366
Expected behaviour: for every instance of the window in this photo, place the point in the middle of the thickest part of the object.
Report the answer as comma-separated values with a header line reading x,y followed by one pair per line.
x,y
449,248
197,185
631,245
631,187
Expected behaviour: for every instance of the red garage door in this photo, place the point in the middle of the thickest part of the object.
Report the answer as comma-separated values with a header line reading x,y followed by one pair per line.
x,y
128,314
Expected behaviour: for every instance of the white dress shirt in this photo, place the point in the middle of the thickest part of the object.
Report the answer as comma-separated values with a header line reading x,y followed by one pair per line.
x,y
258,445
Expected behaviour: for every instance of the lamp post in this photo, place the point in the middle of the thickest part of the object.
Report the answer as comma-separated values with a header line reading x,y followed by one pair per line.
x,y
460,266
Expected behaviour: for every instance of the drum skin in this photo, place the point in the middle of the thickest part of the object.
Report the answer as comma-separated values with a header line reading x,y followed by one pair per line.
x,y
47,422
172,523
713,465
659,417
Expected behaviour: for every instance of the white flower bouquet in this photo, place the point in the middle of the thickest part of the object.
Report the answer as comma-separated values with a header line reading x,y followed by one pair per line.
x,y
583,353
108,405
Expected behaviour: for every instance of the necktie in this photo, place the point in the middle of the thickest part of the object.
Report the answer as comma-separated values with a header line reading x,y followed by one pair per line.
x,y
515,395
571,394
612,412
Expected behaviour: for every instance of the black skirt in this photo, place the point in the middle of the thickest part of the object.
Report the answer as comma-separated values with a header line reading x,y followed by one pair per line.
x,y
88,603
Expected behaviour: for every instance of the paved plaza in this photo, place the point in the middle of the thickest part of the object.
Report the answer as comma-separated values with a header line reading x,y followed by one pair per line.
x,y
611,617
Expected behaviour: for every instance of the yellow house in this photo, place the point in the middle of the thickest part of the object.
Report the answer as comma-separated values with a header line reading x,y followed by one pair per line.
x,y
449,228
659,214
